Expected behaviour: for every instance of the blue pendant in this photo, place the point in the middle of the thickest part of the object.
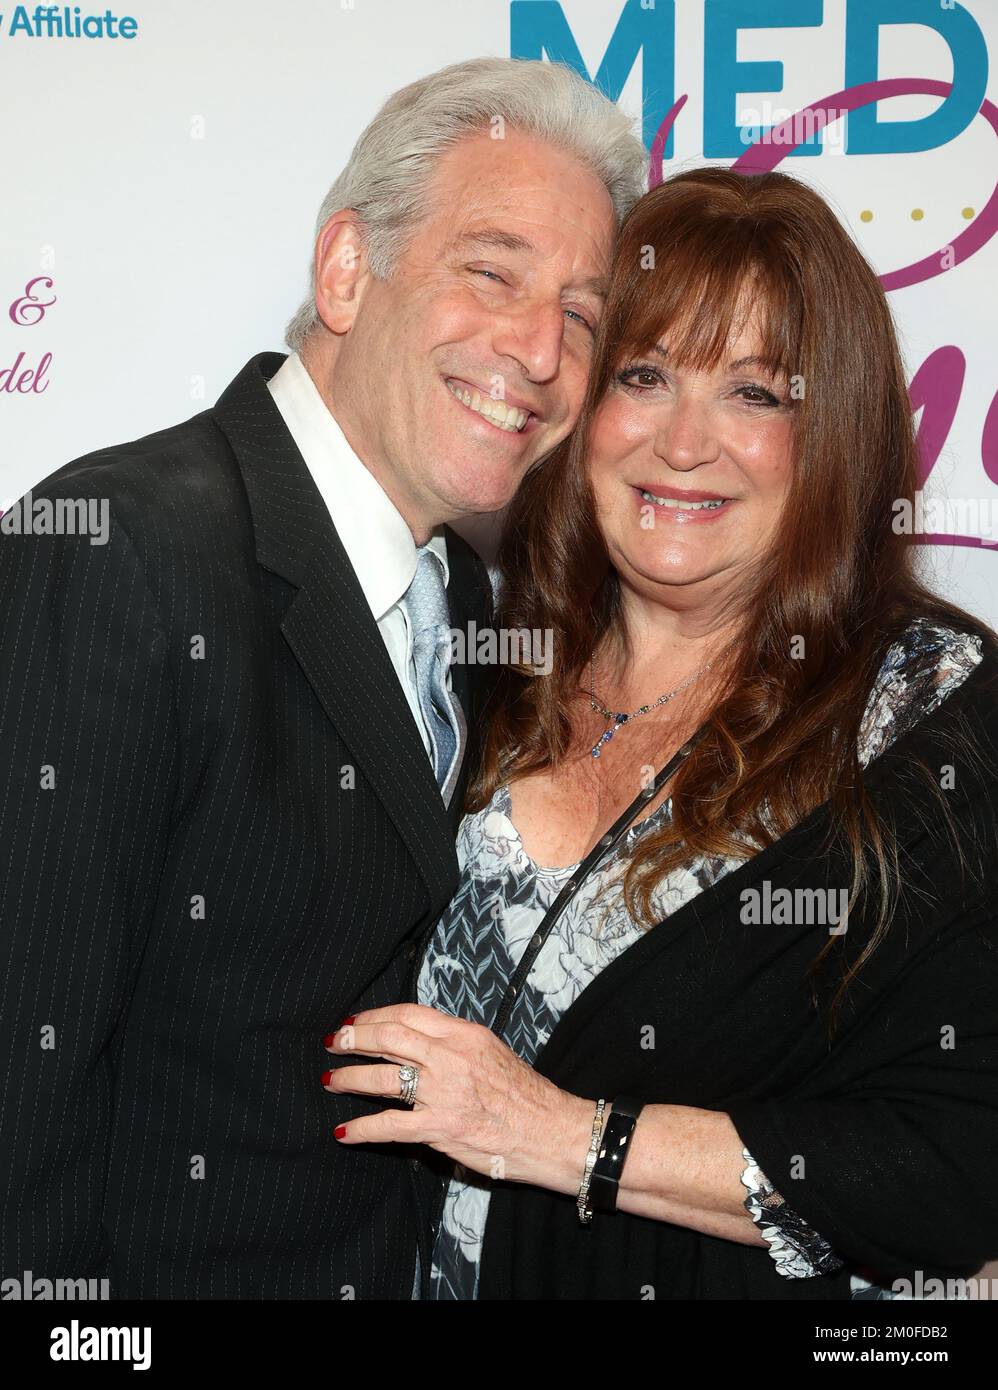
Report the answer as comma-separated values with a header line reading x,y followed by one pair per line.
x,y
608,735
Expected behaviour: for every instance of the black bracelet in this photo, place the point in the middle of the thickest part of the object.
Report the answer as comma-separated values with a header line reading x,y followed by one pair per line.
x,y
614,1148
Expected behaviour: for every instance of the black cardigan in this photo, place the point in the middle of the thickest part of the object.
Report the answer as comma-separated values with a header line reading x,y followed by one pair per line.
x,y
897,1132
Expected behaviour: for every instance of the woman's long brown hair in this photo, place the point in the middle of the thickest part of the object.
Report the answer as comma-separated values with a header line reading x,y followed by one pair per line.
x,y
782,733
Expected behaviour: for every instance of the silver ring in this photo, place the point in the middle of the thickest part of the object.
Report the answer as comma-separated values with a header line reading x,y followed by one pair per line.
x,y
408,1081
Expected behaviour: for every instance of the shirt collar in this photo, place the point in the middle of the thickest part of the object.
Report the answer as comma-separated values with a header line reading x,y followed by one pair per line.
x,y
375,536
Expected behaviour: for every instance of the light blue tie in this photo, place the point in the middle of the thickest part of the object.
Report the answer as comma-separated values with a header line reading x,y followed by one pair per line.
x,y
425,601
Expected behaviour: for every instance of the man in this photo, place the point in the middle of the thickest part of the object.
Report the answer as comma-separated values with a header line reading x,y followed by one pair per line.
x,y
236,760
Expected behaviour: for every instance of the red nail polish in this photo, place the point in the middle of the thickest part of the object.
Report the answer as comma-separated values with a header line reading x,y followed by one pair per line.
x,y
340,1131
326,1075
347,1021
328,1040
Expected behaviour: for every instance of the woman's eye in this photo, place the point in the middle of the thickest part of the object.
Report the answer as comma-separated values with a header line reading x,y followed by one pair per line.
x,y
757,395
627,377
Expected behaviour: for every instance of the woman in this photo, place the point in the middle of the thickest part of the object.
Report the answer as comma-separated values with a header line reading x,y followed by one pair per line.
x,y
712,1012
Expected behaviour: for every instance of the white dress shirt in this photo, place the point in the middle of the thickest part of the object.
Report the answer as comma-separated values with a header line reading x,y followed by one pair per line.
x,y
377,540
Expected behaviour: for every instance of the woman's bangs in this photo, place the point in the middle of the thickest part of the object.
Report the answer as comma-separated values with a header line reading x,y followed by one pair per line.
x,y
699,298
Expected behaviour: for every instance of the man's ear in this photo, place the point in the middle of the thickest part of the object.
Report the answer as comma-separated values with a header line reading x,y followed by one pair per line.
x,y
341,270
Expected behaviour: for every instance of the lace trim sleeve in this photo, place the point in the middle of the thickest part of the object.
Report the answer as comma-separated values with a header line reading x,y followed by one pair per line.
x,y
799,1251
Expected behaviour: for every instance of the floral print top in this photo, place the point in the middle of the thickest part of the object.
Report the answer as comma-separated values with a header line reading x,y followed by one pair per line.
x,y
502,896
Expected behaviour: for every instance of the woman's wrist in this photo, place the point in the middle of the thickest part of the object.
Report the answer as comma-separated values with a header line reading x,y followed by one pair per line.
x,y
684,1165
568,1142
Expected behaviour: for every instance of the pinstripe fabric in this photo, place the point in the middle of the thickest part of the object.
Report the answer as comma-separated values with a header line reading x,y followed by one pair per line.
x,y
224,725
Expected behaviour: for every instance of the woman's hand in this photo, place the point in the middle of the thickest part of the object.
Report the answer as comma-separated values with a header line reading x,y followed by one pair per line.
x,y
480,1104
476,1101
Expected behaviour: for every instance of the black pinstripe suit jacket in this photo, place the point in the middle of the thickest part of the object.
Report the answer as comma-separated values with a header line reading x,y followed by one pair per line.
x,y
221,834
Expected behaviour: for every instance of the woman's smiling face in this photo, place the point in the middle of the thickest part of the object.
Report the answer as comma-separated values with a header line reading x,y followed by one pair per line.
x,y
690,468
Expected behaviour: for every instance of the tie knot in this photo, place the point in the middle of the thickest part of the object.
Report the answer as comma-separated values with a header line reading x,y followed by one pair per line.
x,y
426,596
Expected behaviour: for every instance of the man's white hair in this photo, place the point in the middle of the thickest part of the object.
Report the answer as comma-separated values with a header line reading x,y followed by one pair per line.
x,y
387,177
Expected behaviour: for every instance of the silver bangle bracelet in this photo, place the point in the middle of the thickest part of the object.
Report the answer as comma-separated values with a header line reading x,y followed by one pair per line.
x,y
582,1202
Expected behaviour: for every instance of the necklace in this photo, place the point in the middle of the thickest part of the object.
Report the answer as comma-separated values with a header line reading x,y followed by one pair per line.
x,y
617,717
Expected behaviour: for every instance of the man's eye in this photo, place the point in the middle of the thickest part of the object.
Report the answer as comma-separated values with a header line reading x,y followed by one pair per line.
x,y
476,271
582,319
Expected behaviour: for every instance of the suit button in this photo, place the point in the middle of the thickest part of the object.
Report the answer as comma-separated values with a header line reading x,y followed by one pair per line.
x,y
410,951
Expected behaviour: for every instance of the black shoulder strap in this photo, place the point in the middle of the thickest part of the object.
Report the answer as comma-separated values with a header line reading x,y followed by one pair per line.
x,y
592,860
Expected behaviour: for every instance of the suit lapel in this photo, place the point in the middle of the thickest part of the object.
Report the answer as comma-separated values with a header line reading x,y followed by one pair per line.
x,y
329,625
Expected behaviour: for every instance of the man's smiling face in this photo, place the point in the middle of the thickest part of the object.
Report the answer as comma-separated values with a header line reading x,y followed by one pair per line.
x,y
497,292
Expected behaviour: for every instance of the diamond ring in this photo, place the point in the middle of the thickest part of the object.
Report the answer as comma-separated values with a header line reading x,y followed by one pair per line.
x,y
408,1081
